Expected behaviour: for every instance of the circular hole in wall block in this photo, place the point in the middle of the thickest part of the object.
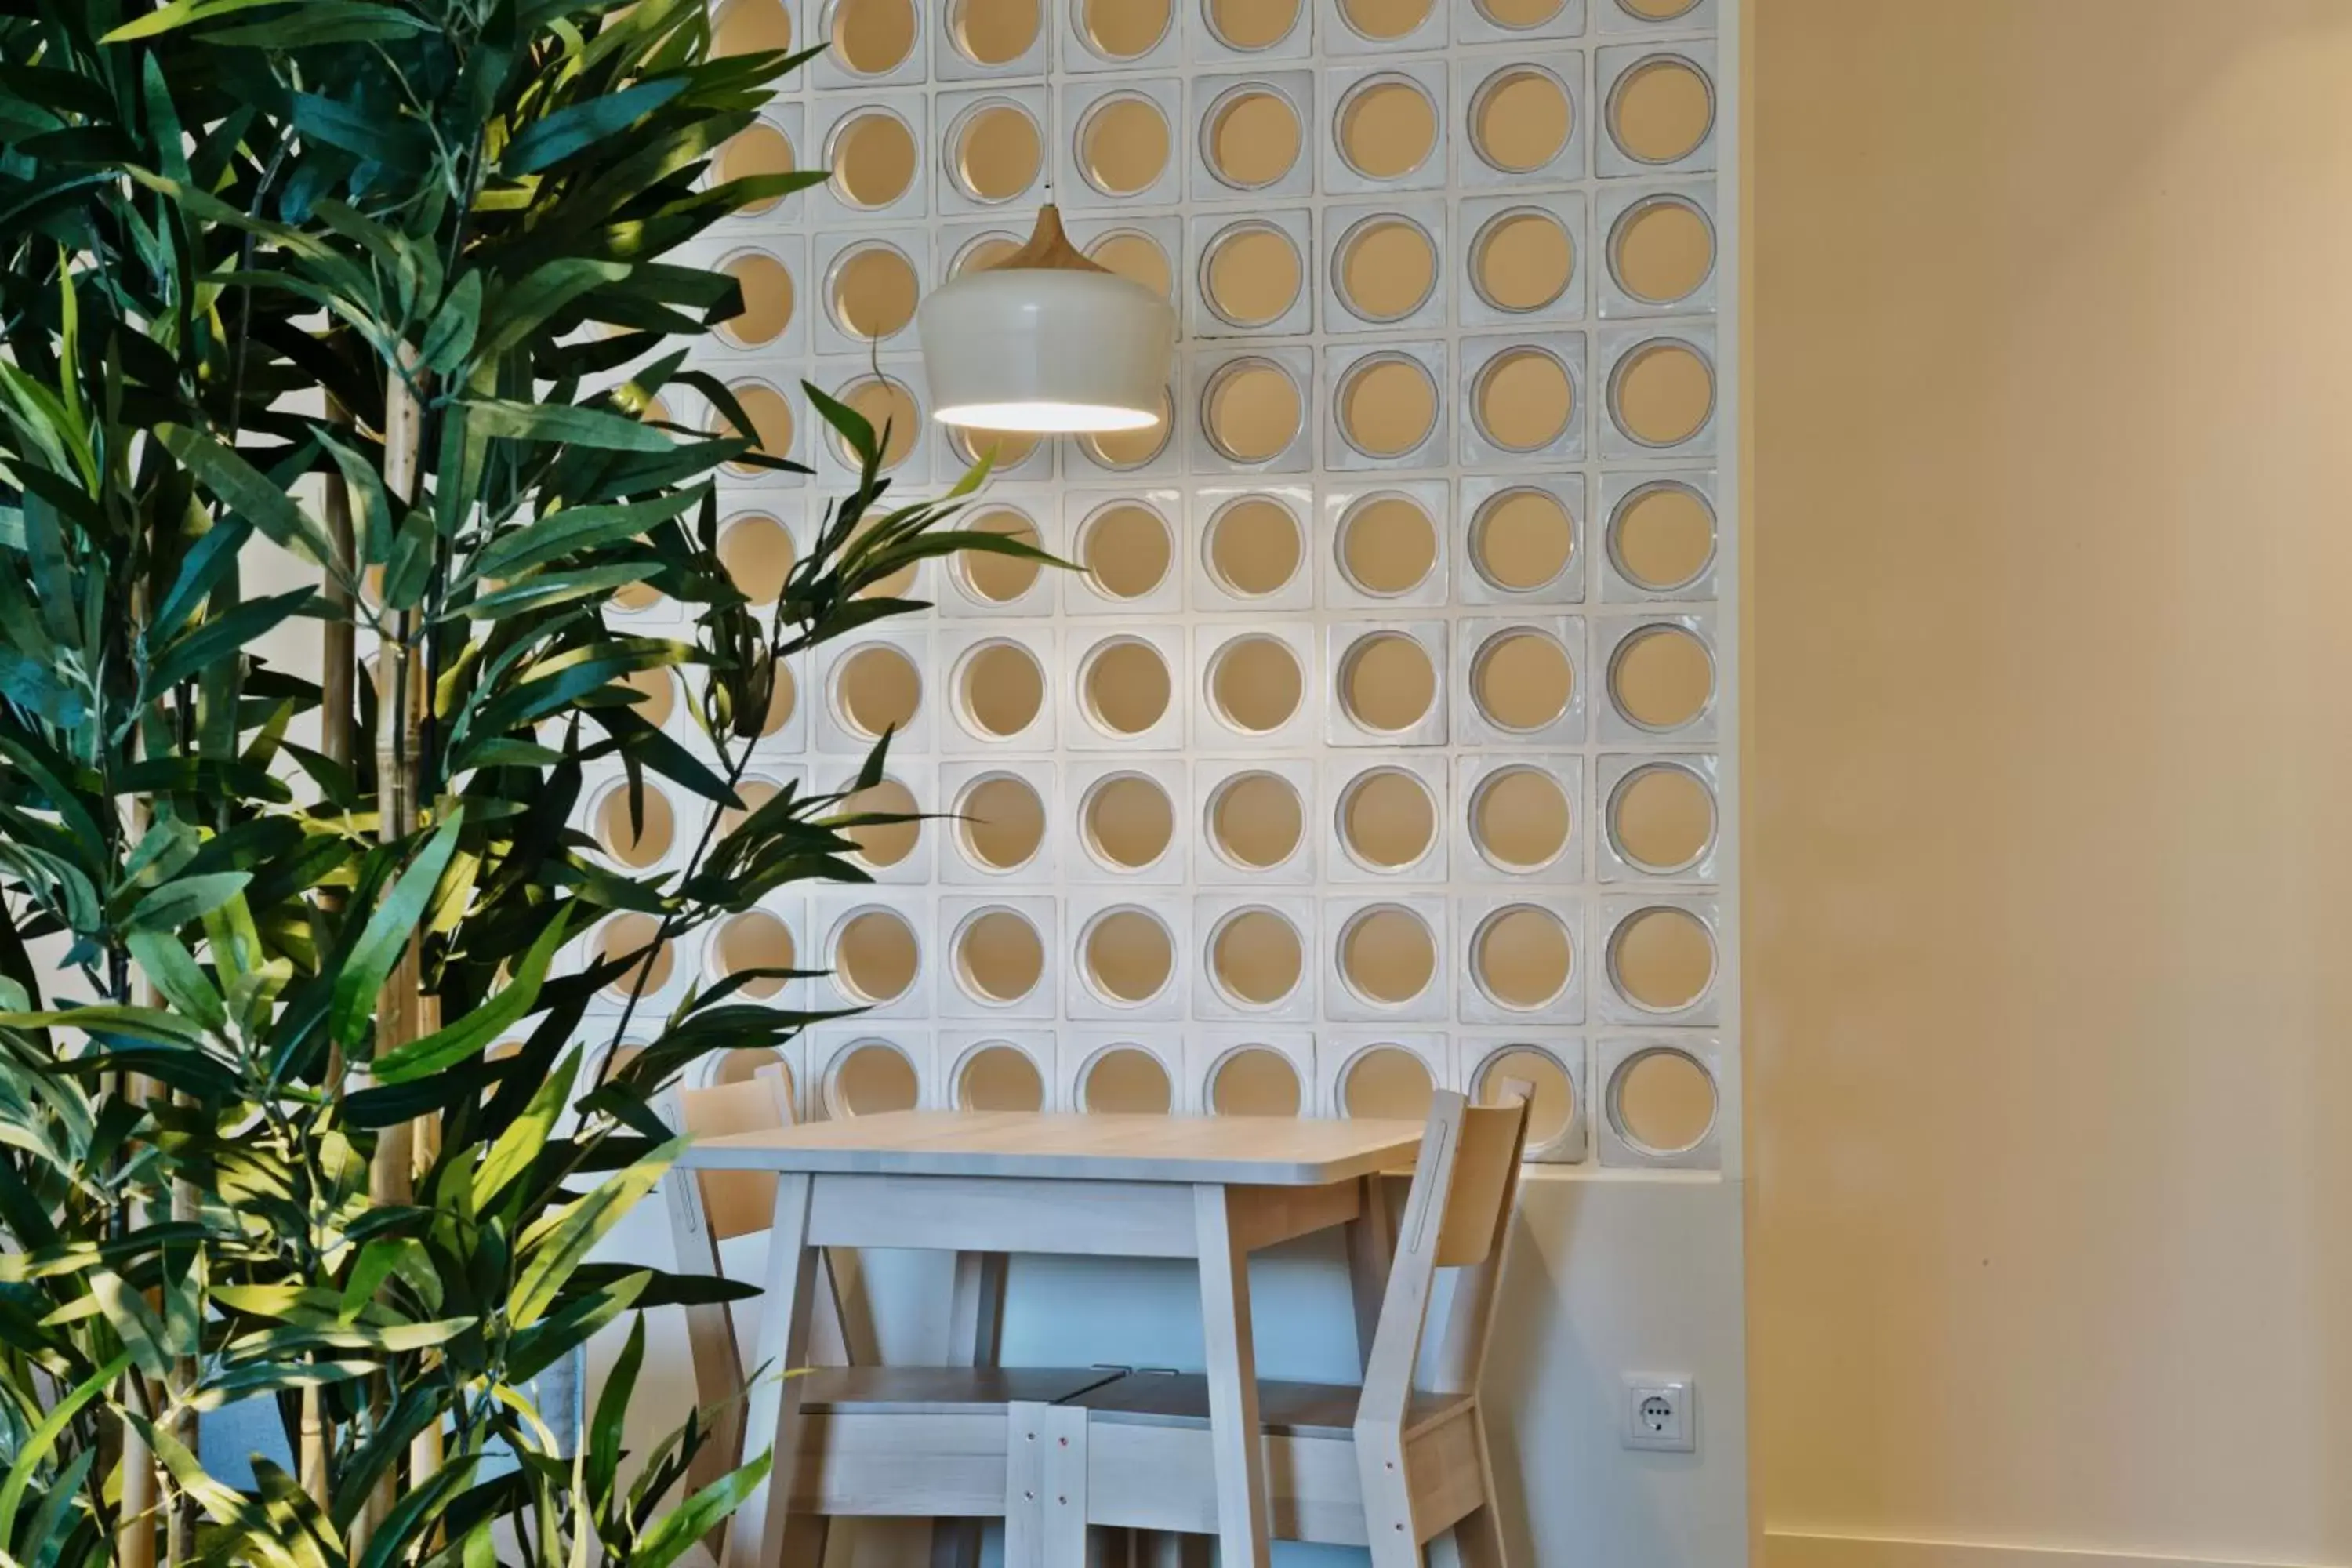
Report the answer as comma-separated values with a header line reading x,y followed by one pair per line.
x,y
1522,680
1125,548
1385,267
1521,540
1254,683
1661,248
629,933
757,152
996,150
1251,274
1251,410
1384,21
622,1059
754,939
872,1079
656,690
1388,405
1386,127
1251,135
767,287
1661,110
1003,822
745,1063
1551,1109
1254,1081
1661,678
754,793
757,551
1387,1083
1128,956
1662,394
884,843
1256,957
888,406
873,158
782,697
771,423
983,252
876,958
1663,1101
1521,117
1256,820
1388,544
1003,449
1524,400
992,32
1126,1080
1123,144
994,579
1128,821
1125,686
751,28
1251,25
999,1078
1662,536
1253,546
1519,819
1136,257
1518,14
1662,817
873,38
644,844
1661,958
629,598
1388,819
1657,10
1120,450
1522,957
1001,688
1387,955
1522,260
1125,29
998,957
1387,683
876,689
873,292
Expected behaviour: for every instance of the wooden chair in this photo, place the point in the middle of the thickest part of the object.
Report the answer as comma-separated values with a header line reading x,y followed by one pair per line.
x,y
1390,1464
875,1441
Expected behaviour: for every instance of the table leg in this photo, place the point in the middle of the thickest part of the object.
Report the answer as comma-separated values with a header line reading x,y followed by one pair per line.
x,y
758,1535
1239,1447
1372,1244
975,1327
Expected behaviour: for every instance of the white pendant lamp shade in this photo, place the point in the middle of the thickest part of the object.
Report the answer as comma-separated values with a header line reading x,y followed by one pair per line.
x,y
1047,341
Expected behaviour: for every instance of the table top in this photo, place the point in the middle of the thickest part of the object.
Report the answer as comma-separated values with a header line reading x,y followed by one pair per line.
x,y
1225,1151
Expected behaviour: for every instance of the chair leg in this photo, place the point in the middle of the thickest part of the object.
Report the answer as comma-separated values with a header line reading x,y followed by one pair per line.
x,y
1478,1538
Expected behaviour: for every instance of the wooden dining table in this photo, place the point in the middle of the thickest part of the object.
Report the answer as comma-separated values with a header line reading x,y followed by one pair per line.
x,y
986,1184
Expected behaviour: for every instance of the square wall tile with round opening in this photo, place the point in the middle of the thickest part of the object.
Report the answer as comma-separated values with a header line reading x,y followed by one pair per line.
x,y
1381,740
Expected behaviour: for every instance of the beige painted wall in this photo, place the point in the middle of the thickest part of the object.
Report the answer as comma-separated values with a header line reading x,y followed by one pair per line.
x,y
2049,877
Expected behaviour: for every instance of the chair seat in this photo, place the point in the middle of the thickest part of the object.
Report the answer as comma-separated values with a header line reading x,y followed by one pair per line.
x,y
942,1390
1298,1409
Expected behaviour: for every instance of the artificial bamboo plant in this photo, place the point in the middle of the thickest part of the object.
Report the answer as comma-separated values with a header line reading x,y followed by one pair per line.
x,y
381,292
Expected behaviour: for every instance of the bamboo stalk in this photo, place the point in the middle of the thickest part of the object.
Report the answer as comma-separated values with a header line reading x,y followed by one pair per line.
x,y
400,699
134,1527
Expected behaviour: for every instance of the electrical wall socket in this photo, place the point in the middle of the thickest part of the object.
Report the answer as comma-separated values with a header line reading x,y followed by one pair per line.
x,y
1661,1414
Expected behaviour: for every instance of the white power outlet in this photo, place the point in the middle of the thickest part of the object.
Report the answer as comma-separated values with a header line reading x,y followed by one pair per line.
x,y
1661,1414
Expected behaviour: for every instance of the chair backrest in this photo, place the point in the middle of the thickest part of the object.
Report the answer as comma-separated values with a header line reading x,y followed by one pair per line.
x,y
737,1202
1457,1215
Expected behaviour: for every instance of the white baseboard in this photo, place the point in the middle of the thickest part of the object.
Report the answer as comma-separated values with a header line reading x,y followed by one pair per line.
x,y
1796,1550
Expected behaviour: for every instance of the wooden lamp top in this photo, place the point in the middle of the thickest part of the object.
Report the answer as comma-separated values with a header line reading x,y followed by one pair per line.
x,y
1048,250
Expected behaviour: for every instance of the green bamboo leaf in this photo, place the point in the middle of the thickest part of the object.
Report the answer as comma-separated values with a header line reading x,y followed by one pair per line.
x,y
383,1339
525,1136
387,933
317,22
526,305
174,904
548,141
246,491
565,423
233,1384
566,1244
207,563
182,14
605,1429
177,974
44,1439
224,636
34,685
134,1322
451,336
445,1047
581,528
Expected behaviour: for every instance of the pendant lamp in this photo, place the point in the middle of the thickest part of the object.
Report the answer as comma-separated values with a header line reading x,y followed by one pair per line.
x,y
1047,341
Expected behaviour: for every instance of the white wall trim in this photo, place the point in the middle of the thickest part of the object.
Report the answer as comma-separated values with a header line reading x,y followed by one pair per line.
x,y
1789,1550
